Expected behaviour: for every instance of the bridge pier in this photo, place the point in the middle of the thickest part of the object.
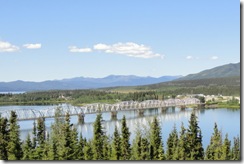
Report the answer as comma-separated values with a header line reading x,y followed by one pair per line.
x,y
81,118
182,107
163,109
200,106
114,115
140,112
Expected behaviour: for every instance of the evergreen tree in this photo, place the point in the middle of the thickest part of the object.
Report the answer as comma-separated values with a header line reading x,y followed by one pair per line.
x,y
156,145
14,144
217,140
125,144
116,145
81,144
53,152
199,147
236,149
41,131
4,137
70,140
74,143
98,138
172,145
138,147
182,144
57,136
46,150
209,155
194,149
161,154
88,153
225,152
27,149
214,151
106,148
34,140
40,137
145,154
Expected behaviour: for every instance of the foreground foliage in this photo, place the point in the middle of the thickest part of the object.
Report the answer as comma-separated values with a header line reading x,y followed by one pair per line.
x,y
62,142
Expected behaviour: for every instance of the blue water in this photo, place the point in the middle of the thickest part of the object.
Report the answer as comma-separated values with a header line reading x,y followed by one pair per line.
x,y
16,92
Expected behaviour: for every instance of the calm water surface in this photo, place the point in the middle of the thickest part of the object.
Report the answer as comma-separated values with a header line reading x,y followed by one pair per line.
x,y
227,120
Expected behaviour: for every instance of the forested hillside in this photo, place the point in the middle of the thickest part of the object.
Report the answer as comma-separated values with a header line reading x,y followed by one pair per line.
x,y
229,86
227,70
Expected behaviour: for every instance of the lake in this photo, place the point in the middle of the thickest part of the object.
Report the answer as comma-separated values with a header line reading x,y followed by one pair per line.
x,y
16,92
228,121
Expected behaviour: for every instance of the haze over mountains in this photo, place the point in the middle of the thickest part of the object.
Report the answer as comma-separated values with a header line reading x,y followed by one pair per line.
x,y
83,83
228,70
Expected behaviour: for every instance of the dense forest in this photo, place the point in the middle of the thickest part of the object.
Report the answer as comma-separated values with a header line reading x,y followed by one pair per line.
x,y
63,142
75,97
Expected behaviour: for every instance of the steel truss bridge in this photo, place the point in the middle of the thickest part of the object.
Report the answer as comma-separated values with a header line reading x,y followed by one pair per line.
x,y
32,114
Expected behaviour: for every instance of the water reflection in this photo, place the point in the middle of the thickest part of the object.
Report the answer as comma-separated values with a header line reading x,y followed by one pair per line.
x,y
133,120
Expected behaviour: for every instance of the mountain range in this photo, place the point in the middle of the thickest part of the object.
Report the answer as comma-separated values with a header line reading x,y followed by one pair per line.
x,y
228,70
83,83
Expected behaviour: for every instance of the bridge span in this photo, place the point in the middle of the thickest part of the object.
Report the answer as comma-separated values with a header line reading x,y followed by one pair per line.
x,y
32,114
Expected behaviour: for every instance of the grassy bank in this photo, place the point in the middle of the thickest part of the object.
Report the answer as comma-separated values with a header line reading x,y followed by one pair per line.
x,y
223,105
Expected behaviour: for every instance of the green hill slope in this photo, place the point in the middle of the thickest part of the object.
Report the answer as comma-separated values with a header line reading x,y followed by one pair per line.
x,y
227,70
228,86
223,80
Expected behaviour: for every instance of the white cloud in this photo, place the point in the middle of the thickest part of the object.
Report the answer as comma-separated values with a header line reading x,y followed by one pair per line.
x,y
214,57
129,49
76,49
7,47
32,46
101,47
189,57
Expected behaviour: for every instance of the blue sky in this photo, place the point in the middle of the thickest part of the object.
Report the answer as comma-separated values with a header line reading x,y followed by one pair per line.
x,y
46,40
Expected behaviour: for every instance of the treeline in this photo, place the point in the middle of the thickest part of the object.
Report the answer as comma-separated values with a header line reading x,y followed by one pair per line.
x,y
64,143
224,81
94,96
75,97
206,90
